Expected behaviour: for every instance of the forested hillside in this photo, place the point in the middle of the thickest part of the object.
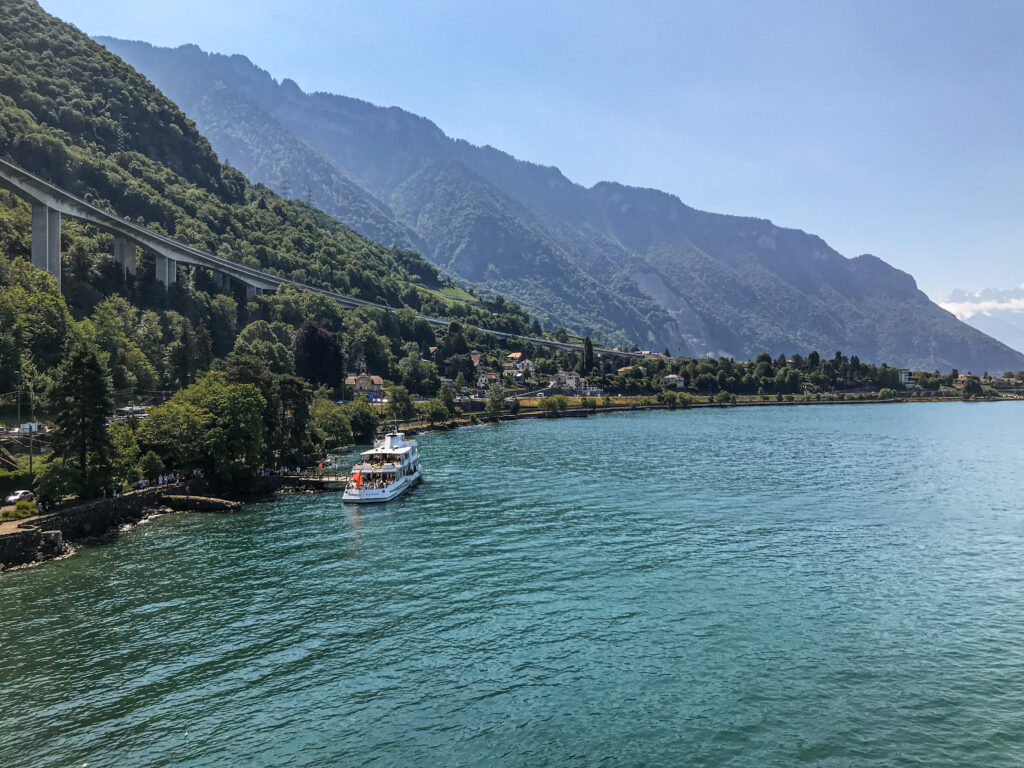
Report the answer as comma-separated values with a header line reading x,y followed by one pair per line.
x,y
255,380
76,115
615,261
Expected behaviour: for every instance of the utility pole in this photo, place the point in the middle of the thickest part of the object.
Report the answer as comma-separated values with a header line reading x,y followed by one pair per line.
x,y
31,431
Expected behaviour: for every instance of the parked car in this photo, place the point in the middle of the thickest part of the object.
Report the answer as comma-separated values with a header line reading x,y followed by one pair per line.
x,y
17,496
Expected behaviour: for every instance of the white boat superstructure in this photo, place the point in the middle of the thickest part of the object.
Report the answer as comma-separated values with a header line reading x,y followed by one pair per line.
x,y
385,471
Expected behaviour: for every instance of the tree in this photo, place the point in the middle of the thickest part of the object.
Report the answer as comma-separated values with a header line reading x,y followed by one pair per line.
x,y
332,422
495,400
363,419
587,364
318,356
294,397
175,432
972,387
435,410
55,482
400,403
269,342
554,404
151,466
235,438
82,402
125,454
460,383
211,422
444,394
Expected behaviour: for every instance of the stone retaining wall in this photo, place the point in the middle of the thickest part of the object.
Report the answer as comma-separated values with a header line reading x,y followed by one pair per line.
x,y
45,536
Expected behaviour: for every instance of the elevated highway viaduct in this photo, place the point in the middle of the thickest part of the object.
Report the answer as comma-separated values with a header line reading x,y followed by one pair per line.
x,y
50,202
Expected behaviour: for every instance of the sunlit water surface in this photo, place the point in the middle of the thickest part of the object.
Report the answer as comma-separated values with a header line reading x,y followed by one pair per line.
x,y
775,586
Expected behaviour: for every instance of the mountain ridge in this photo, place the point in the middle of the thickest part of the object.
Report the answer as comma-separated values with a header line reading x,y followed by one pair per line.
x,y
629,264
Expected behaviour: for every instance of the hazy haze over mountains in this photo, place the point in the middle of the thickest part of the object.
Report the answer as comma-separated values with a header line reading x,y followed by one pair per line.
x,y
620,263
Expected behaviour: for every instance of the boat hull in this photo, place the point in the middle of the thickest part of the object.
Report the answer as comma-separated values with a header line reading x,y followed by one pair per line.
x,y
380,495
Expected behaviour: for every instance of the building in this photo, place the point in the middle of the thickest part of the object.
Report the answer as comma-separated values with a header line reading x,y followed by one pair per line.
x,y
568,380
905,380
487,380
364,384
674,382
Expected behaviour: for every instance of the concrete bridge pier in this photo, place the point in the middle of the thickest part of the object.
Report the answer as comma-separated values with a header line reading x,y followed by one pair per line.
x,y
46,239
166,270
251,291
124,255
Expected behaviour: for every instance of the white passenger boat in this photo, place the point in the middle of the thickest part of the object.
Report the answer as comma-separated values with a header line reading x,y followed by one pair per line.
x,y
384,472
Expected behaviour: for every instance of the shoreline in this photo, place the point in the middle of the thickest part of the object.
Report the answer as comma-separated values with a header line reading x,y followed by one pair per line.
x,y
481,417
58,535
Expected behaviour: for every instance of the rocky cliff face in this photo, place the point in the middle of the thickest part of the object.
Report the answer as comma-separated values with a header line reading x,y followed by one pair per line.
x,y
624,264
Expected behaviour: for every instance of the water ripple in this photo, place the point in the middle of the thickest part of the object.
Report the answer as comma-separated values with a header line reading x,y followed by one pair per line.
x,y
800,586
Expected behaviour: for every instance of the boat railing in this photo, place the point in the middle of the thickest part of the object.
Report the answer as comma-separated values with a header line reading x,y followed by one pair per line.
x,y
370,465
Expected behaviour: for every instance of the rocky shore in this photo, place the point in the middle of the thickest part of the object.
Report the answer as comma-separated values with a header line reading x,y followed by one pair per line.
x,y
47,537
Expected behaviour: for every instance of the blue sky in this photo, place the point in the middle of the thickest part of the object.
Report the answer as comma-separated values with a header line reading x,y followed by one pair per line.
x,y
893,128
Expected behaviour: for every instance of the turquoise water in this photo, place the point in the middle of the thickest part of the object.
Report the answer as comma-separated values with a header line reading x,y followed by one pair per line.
x,y
824,586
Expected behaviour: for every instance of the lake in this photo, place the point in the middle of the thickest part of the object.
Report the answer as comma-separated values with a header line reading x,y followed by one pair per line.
x,y
827,585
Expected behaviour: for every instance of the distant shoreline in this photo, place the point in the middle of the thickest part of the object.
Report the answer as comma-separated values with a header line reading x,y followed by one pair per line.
x,y
475,419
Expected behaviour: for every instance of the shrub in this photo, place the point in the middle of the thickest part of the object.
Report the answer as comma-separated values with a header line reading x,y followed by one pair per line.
x,y
21,510
151,466
885,393
25,508
56,481
554,404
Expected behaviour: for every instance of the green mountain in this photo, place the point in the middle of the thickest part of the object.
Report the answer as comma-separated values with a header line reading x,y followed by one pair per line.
x,y
77,115
623,263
